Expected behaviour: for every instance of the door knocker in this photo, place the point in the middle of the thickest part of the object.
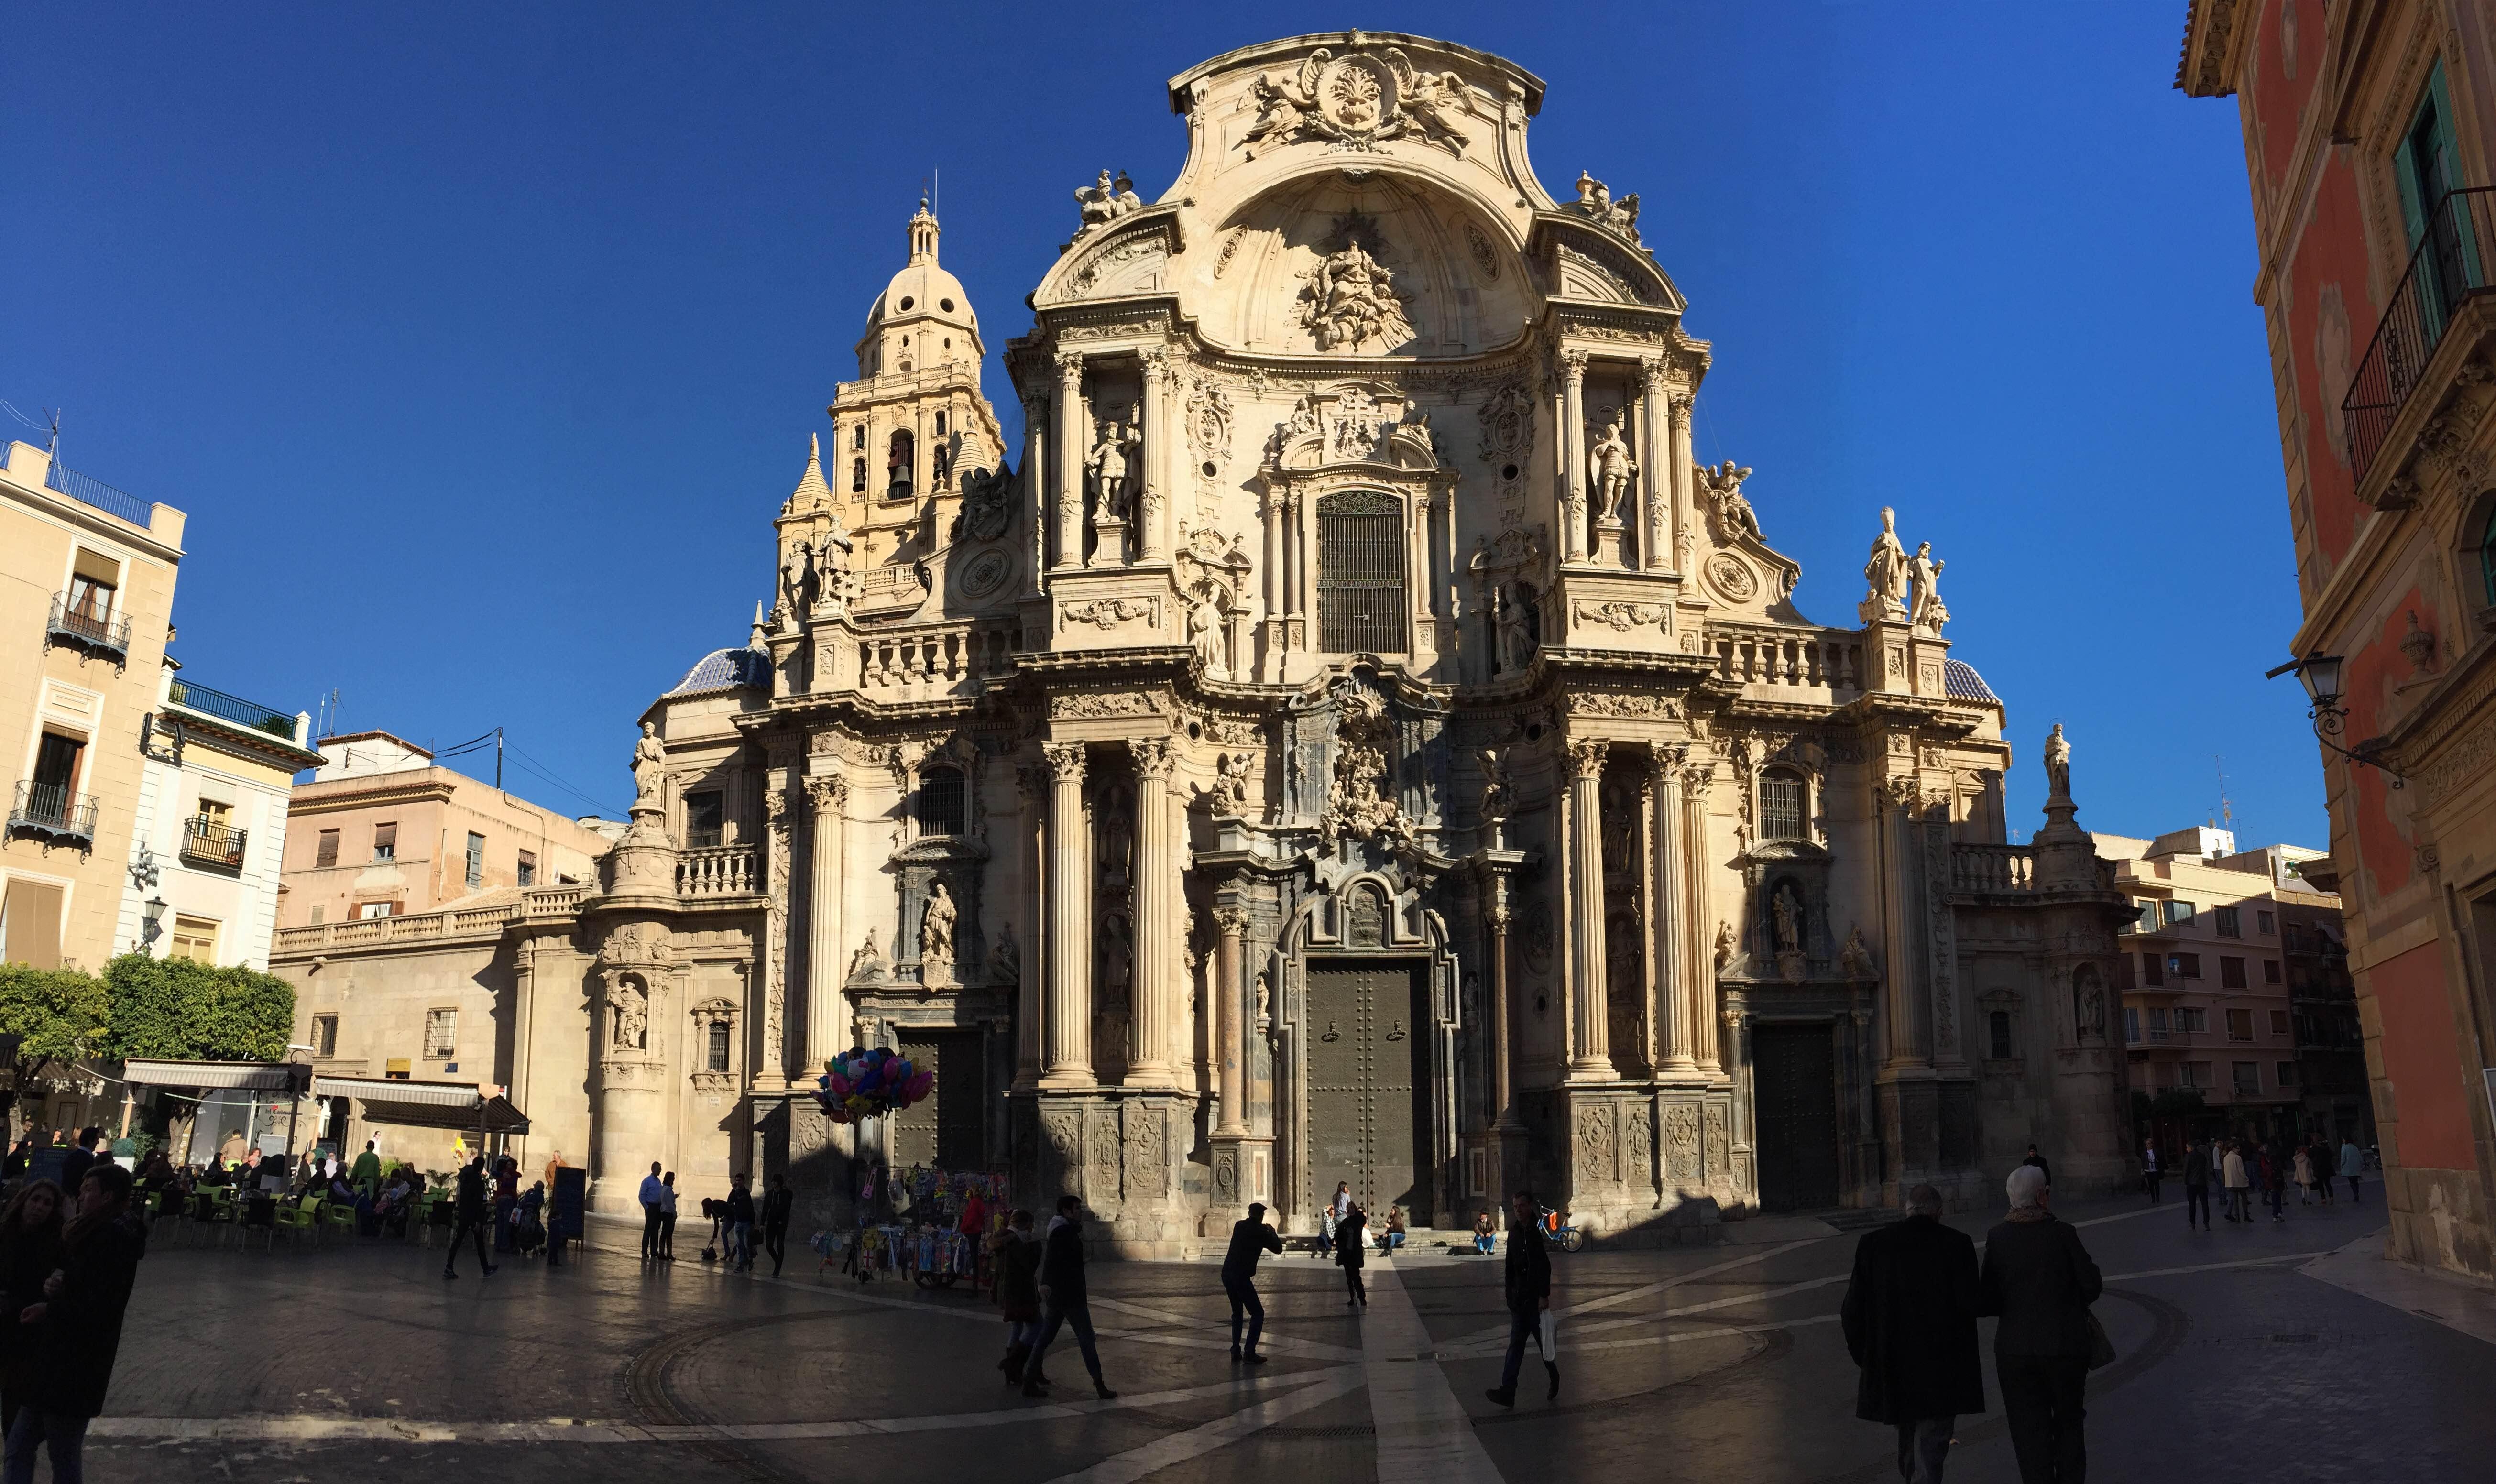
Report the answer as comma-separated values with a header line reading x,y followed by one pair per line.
x,y
1332,1034
1397,1032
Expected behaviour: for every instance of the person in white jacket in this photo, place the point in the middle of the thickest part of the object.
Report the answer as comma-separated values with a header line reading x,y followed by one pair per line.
x,y
2239,1187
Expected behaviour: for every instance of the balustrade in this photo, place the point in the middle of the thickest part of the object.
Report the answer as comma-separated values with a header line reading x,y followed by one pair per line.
x,y
1993,868
1782,657
934,658
727,870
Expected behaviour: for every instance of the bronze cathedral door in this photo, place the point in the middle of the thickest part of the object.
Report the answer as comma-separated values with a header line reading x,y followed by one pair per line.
x,y
1369,1070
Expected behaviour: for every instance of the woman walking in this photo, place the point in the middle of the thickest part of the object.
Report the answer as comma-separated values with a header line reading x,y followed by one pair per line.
x,y
2039,1281
2305,1176
76,1330
1016,1289
30,1252
1350,1251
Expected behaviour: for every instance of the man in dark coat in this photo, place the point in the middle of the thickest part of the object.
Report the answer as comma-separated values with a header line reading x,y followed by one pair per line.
x,y
1064,1298
2197,1184
469,1207
80,1332
779,1204
2039,1281
1910,1321
1526,1286
1250,1240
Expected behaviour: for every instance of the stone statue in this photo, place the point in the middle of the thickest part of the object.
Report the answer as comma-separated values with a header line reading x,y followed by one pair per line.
x,y
1204,633
1855,960
1788,912
1610,464
632,1015
1886,572
1416,425
1125,198
1496,796
1516,634
867,959
1725,942
1595,200
1430,100
1230,785
936,926
1923,573
649,767
1005,956
1729,514
1350,300
794,566
1264,998
1283,103
2089,1003
1112,455
2058,764
1098,203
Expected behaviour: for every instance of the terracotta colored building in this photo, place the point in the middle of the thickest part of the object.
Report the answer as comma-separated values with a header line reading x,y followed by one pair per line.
x,y
2368,130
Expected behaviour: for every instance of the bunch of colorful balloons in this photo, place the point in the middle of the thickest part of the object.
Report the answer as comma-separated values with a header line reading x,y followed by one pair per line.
x,y
869,1083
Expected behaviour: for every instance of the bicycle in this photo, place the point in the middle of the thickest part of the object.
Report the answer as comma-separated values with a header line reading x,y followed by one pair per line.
x,y
1562,1235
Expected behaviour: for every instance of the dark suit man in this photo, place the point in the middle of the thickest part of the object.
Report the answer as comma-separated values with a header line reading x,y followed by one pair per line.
x,y
2039,1281
1526,1284
1910,1321
1250,1240
1064,1298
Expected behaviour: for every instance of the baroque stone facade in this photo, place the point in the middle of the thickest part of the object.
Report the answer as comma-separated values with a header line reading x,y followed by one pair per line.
x,y
1356,742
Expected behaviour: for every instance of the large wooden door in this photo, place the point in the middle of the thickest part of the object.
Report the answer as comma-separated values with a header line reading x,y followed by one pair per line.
x,y
1794,1078
943,1130
1368,1072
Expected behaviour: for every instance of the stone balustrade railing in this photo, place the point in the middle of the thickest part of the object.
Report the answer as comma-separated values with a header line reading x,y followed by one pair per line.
x,y
936,659
721,871
1784,657
449,924
1993,868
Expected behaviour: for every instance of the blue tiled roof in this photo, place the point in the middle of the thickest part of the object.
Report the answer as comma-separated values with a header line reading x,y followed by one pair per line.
x,y
1961,681
729,669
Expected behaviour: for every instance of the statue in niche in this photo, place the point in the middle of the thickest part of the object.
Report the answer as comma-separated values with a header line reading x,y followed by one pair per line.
x,y
936,927
1005,956
2088,1003
1496,796
867,959
1886,571
1350,300
1117,852
649,767
1620,830
1113,455
1117,961
1787,909
1204,633
2058,764
1724,944
1516,637
632,1015
1923,574
1264,998
1855,960
1610,464
1231,783
1730,516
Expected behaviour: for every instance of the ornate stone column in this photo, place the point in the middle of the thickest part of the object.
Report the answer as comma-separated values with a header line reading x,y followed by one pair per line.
x,y
1067,1061
1271,504
1589,1028
1032,781
1503,1078
1698,918
1152,507
771,1072
1227,1017
1909,1044
829,794
1157,868
1035,483
1685,511
1654,467
1304,569
1573,454
1668,889
1069,460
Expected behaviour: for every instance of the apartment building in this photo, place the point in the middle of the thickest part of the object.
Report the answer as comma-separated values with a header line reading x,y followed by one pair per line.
x,y
2209,1003
86,603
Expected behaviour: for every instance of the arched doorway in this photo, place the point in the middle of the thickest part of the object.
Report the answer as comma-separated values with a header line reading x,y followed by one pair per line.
x,y
1369,1084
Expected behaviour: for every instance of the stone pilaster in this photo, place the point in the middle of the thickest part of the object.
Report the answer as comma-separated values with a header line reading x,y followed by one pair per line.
x,y
1697,927
1152,504
1032,781
1573,454
1158,865
1070,461
1667,890
1589,1015
827,1012
1067,1061
1685,537
1654,467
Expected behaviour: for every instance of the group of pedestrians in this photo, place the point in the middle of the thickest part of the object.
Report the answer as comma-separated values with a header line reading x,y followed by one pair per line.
x,y
1040,1287
66,1272
2244,1169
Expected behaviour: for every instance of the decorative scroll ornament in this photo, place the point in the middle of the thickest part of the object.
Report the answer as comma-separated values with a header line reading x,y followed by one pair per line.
x,y
1622,617
1358,101
1107,613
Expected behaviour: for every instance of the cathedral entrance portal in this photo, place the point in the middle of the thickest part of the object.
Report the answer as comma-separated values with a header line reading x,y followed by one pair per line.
x,y
943,1130
1795,1070
1367,1075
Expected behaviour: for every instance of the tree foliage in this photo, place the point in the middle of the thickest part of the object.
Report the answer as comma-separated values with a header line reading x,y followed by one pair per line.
x,y
180,1010
58,1014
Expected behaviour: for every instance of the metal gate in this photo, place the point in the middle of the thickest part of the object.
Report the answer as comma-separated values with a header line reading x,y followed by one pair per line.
x,y
1360,573
1367,1073
943,1130
1795,1079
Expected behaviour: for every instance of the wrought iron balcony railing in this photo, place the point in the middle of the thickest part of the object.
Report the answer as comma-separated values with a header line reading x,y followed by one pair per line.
x,y
231,708
207,842
2451,264
52,811
107,633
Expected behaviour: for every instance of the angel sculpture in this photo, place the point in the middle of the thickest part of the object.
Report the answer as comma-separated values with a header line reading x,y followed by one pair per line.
x,y
1098,203
1284,103
1733,518
1231,788
1430,100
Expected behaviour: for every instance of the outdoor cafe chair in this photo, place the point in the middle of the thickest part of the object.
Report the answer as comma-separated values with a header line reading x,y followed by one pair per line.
x,y
339,1216
295,1217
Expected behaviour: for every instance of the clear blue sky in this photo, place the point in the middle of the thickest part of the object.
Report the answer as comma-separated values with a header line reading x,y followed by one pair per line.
x,y
482,343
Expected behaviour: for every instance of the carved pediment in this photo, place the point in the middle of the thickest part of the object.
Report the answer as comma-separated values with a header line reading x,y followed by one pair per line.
x,y
1356,422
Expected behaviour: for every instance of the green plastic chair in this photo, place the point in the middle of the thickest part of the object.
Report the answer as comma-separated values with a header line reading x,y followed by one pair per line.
x,y
297,1217
339,1216
220,1212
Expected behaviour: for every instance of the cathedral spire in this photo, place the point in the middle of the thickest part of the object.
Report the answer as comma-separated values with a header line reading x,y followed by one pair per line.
x,y
923,234
811,490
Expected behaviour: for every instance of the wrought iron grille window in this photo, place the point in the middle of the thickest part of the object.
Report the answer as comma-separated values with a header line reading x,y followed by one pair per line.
x,y
718,1048
1780,807
1360,573
940,802
440,1033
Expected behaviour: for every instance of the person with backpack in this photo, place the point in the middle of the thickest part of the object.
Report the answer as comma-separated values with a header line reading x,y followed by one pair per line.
x,y
76,1328
1250,1240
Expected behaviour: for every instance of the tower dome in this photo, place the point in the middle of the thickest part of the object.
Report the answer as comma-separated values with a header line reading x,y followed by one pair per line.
x,y
922,317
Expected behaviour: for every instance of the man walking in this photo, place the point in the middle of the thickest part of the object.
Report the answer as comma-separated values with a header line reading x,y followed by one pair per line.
x,y
469,1206
2353,1166
2239,1185
1064,1298
667,1216
2197,1184
366,1173
1250,1240
2037,1162
1526,1284
2040,1282
777,1204
1910,1321
654,1196
740,1216
2150,1173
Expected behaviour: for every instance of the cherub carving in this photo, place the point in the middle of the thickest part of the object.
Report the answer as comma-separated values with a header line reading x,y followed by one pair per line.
x,y
1284,103
1729,515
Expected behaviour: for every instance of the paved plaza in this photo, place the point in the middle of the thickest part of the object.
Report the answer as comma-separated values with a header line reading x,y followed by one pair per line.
x,y
2245,1354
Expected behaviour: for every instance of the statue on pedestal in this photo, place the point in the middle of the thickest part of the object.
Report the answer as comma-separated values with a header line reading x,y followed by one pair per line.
x,y
1610,464
1885,573
650,768
2058,764
936,928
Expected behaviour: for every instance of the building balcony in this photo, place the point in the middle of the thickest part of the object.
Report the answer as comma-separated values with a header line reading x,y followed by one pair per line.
x,y
208,843
51,812
102,634
233,710
2449,268
724,871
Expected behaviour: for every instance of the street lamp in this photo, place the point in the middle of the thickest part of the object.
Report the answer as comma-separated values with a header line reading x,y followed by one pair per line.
x,y
2320,673
154,926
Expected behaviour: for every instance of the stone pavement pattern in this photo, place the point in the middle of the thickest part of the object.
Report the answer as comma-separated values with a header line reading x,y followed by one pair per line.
x,y
2245,1353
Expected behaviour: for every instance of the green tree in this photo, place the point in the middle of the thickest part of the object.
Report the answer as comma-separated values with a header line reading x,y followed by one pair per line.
x,y
57,1015
181,1009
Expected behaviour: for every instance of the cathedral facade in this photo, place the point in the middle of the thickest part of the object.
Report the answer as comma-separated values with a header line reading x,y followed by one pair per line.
x,y
1350,740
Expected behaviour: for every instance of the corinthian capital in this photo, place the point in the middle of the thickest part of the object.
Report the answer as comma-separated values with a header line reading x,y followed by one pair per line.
x,y
1696,778
1680,403
1668,758
1152,756
1064,760
1650,373
828,792
1573,365
1031,780
1069,366
1584,758
1156,361
1232,920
